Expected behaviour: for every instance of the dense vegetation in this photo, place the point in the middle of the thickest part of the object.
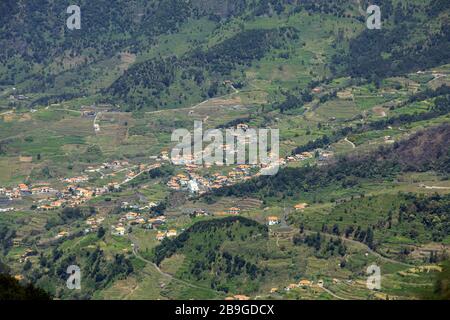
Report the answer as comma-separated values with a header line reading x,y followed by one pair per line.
x,y
309,68
209,262
7,235
11,289
442,285
150,83
323,248
401,46
34,30
427,150
439,107
418,218
97,269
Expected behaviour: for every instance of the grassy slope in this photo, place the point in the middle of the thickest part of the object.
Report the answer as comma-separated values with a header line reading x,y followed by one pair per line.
x,y
264,80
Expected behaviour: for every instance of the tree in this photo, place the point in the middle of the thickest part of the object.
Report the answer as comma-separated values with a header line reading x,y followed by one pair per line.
x,y
442,283
27,266
11,289
101,232
369,237
335,230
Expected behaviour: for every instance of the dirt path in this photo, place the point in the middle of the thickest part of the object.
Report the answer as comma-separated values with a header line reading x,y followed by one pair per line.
x,y
361,245
71,110
157,165
357,243
137,255
353,145
197,105
96,126
332,293
437,77
128,295
360,9
379,111
437,187
6,112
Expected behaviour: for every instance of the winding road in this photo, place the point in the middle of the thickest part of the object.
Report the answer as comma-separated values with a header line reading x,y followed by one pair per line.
x,y
353,145
138,256
355,242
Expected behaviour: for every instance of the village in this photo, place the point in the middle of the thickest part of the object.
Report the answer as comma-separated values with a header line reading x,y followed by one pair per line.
x,y
73,193
194,179
198,184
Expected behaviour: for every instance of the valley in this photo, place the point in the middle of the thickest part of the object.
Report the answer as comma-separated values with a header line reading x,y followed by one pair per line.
x,y
87,178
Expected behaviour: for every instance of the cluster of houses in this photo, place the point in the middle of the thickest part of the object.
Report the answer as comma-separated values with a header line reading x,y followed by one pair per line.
x,y
184,182
19,97
75,195
79,179
24,189
197,184
240,297
27,254
171,233
16,192
272,220
138,217
193,213
130,219
299,157
94,223
234,211
304,283
62,234
113,165
50,198
71,196
127,206
324,155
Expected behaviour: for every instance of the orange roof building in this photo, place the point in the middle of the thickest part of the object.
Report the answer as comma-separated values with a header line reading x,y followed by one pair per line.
x,y
301,206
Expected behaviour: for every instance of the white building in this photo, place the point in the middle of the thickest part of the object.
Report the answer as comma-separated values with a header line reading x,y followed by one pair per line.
x,y
193,186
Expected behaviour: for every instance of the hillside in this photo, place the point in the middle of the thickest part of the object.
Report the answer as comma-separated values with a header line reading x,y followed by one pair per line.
x,y
207,259
401,46
201,74
11,290
426,150
86,124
